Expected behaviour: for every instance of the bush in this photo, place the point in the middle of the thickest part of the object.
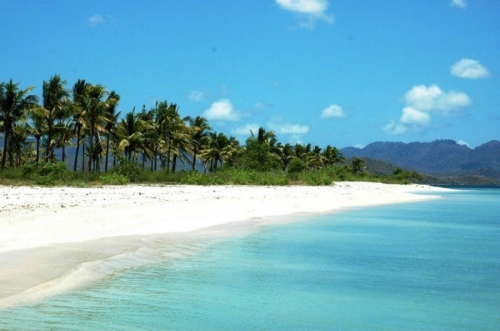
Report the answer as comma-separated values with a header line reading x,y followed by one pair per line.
x,y
45,174
295,167
114,179
195,178
128,170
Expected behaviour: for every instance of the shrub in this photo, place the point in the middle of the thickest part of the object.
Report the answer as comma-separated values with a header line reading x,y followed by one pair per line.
x,y
295,167
194,178
114,179
128,170
45,174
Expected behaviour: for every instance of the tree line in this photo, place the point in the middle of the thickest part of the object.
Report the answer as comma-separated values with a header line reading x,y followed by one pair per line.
x,y
85,117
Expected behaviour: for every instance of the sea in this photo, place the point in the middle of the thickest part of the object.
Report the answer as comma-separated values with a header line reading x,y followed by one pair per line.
x,y
431,265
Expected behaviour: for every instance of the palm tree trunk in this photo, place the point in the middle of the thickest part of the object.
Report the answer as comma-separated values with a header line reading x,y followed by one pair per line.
x,y
174,163
155,160
49,139
194,158
168,160
83,157
37,147
91,147
64,149
77,146
5,144
107,154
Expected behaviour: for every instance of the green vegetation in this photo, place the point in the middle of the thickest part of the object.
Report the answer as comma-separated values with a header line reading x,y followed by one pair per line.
x,y
148,146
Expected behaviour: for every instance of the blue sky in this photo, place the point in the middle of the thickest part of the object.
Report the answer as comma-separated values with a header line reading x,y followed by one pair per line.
x,y
338,72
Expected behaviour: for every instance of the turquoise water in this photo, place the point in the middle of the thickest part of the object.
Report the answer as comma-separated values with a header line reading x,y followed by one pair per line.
x,y
431,265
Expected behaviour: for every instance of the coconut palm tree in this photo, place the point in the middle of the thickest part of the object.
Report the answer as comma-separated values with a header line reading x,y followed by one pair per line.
x,y
286,154
13,106
158,116
315,159
261,151
79,113
130,130
199,131
175,135
37,128
56,103
217,150
95,105
332,155
19,139
111,121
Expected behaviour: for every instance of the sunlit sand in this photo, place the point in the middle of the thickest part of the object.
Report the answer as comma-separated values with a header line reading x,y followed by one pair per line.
x,y
49,235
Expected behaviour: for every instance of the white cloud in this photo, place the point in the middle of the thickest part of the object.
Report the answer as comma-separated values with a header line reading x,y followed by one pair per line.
x,y
244,130
314,7
221,110
196,96
313,10
294,131
95,20
333,111
413,116
420,102
461,142
262,106
432,98
394,128
287,128
458,3
469,68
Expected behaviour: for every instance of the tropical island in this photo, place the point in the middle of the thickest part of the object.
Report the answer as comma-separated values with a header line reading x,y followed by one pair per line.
x,y
77,137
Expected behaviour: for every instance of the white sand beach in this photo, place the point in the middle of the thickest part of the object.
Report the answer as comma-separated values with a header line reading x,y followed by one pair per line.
x,y
36,223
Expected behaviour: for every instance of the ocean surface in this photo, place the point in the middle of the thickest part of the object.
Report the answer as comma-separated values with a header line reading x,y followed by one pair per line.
x,y
432,265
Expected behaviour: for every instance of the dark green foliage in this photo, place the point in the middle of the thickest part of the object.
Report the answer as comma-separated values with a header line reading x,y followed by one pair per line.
x,y
128,170
357,165
114,179
45,174
257,156
296,166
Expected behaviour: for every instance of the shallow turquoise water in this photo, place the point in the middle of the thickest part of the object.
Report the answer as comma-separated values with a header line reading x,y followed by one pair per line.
x,y
423,266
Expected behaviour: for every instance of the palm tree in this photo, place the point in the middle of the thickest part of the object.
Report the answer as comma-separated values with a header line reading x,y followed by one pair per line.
x,y
199,131
286,154
175,135
55,102
65,132
19,139
78,110
261,151
37,127
13,106
218,149
111,121
95,106
158,116
315,159
130,131
332,155
357,165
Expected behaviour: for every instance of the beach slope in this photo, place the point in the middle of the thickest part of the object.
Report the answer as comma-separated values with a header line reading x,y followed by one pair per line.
x,y
47,232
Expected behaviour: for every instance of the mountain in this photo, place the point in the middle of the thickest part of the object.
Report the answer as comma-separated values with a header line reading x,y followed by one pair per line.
x,y
440,157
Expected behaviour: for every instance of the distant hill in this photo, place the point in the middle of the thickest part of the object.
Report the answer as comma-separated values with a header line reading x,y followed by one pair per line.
x,y
440,157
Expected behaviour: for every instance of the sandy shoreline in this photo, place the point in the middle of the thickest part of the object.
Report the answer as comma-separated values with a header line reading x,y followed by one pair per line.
x,y
40,227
